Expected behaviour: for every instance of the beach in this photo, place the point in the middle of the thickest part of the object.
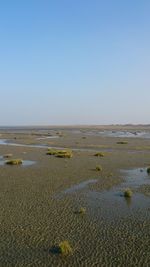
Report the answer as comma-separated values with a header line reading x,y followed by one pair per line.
x,y
39,201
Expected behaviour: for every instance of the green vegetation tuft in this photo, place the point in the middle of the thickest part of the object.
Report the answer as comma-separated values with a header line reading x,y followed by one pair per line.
x,y
148,170
60,153
128,193
99,154
14,162
51,152
99,168
64,154
81,210
65,248
122,142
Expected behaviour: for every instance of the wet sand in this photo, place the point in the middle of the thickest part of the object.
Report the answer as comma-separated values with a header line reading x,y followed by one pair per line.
x,y
38,202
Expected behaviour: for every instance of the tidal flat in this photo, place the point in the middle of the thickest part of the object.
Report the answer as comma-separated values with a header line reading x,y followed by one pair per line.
x,y
39,201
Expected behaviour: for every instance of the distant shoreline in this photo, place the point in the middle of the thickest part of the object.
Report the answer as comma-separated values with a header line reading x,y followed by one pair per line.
x,y
72,126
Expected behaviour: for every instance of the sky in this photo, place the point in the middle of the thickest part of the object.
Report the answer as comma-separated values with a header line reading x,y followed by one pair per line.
x,y
68,62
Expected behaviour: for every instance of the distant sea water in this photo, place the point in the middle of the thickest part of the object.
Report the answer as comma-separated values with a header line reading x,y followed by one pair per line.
x,y
115,133
126,134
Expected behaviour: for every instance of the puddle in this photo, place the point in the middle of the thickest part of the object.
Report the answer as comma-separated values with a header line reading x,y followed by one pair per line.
x,y
6,142
3,141
47,137
28,162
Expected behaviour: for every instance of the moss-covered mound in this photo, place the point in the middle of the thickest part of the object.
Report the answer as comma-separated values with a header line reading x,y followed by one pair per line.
x,y
51,152
122,142
60,153
128,193
148,170
64,248
64,154
81,210
98,168
14,162
99,154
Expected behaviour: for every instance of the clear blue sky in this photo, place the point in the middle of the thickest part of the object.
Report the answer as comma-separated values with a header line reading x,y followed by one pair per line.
x,y
74,62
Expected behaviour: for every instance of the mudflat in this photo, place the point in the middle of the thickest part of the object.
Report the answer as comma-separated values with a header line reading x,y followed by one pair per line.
x,y
40,198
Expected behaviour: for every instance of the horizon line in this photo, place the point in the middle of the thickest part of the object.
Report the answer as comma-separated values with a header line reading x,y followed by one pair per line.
x,y
75,125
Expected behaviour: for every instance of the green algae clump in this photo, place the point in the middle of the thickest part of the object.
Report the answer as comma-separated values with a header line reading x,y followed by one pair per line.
x,y
64,154
128,193
51,152
122,142
99,168
148,170
14,162
81,211
60,153
64,248
99,154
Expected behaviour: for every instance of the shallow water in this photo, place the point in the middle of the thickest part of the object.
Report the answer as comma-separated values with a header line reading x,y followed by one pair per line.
x,y
119,134
115,205
28,162
136,177
113,200
126,134
6,142
48,137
